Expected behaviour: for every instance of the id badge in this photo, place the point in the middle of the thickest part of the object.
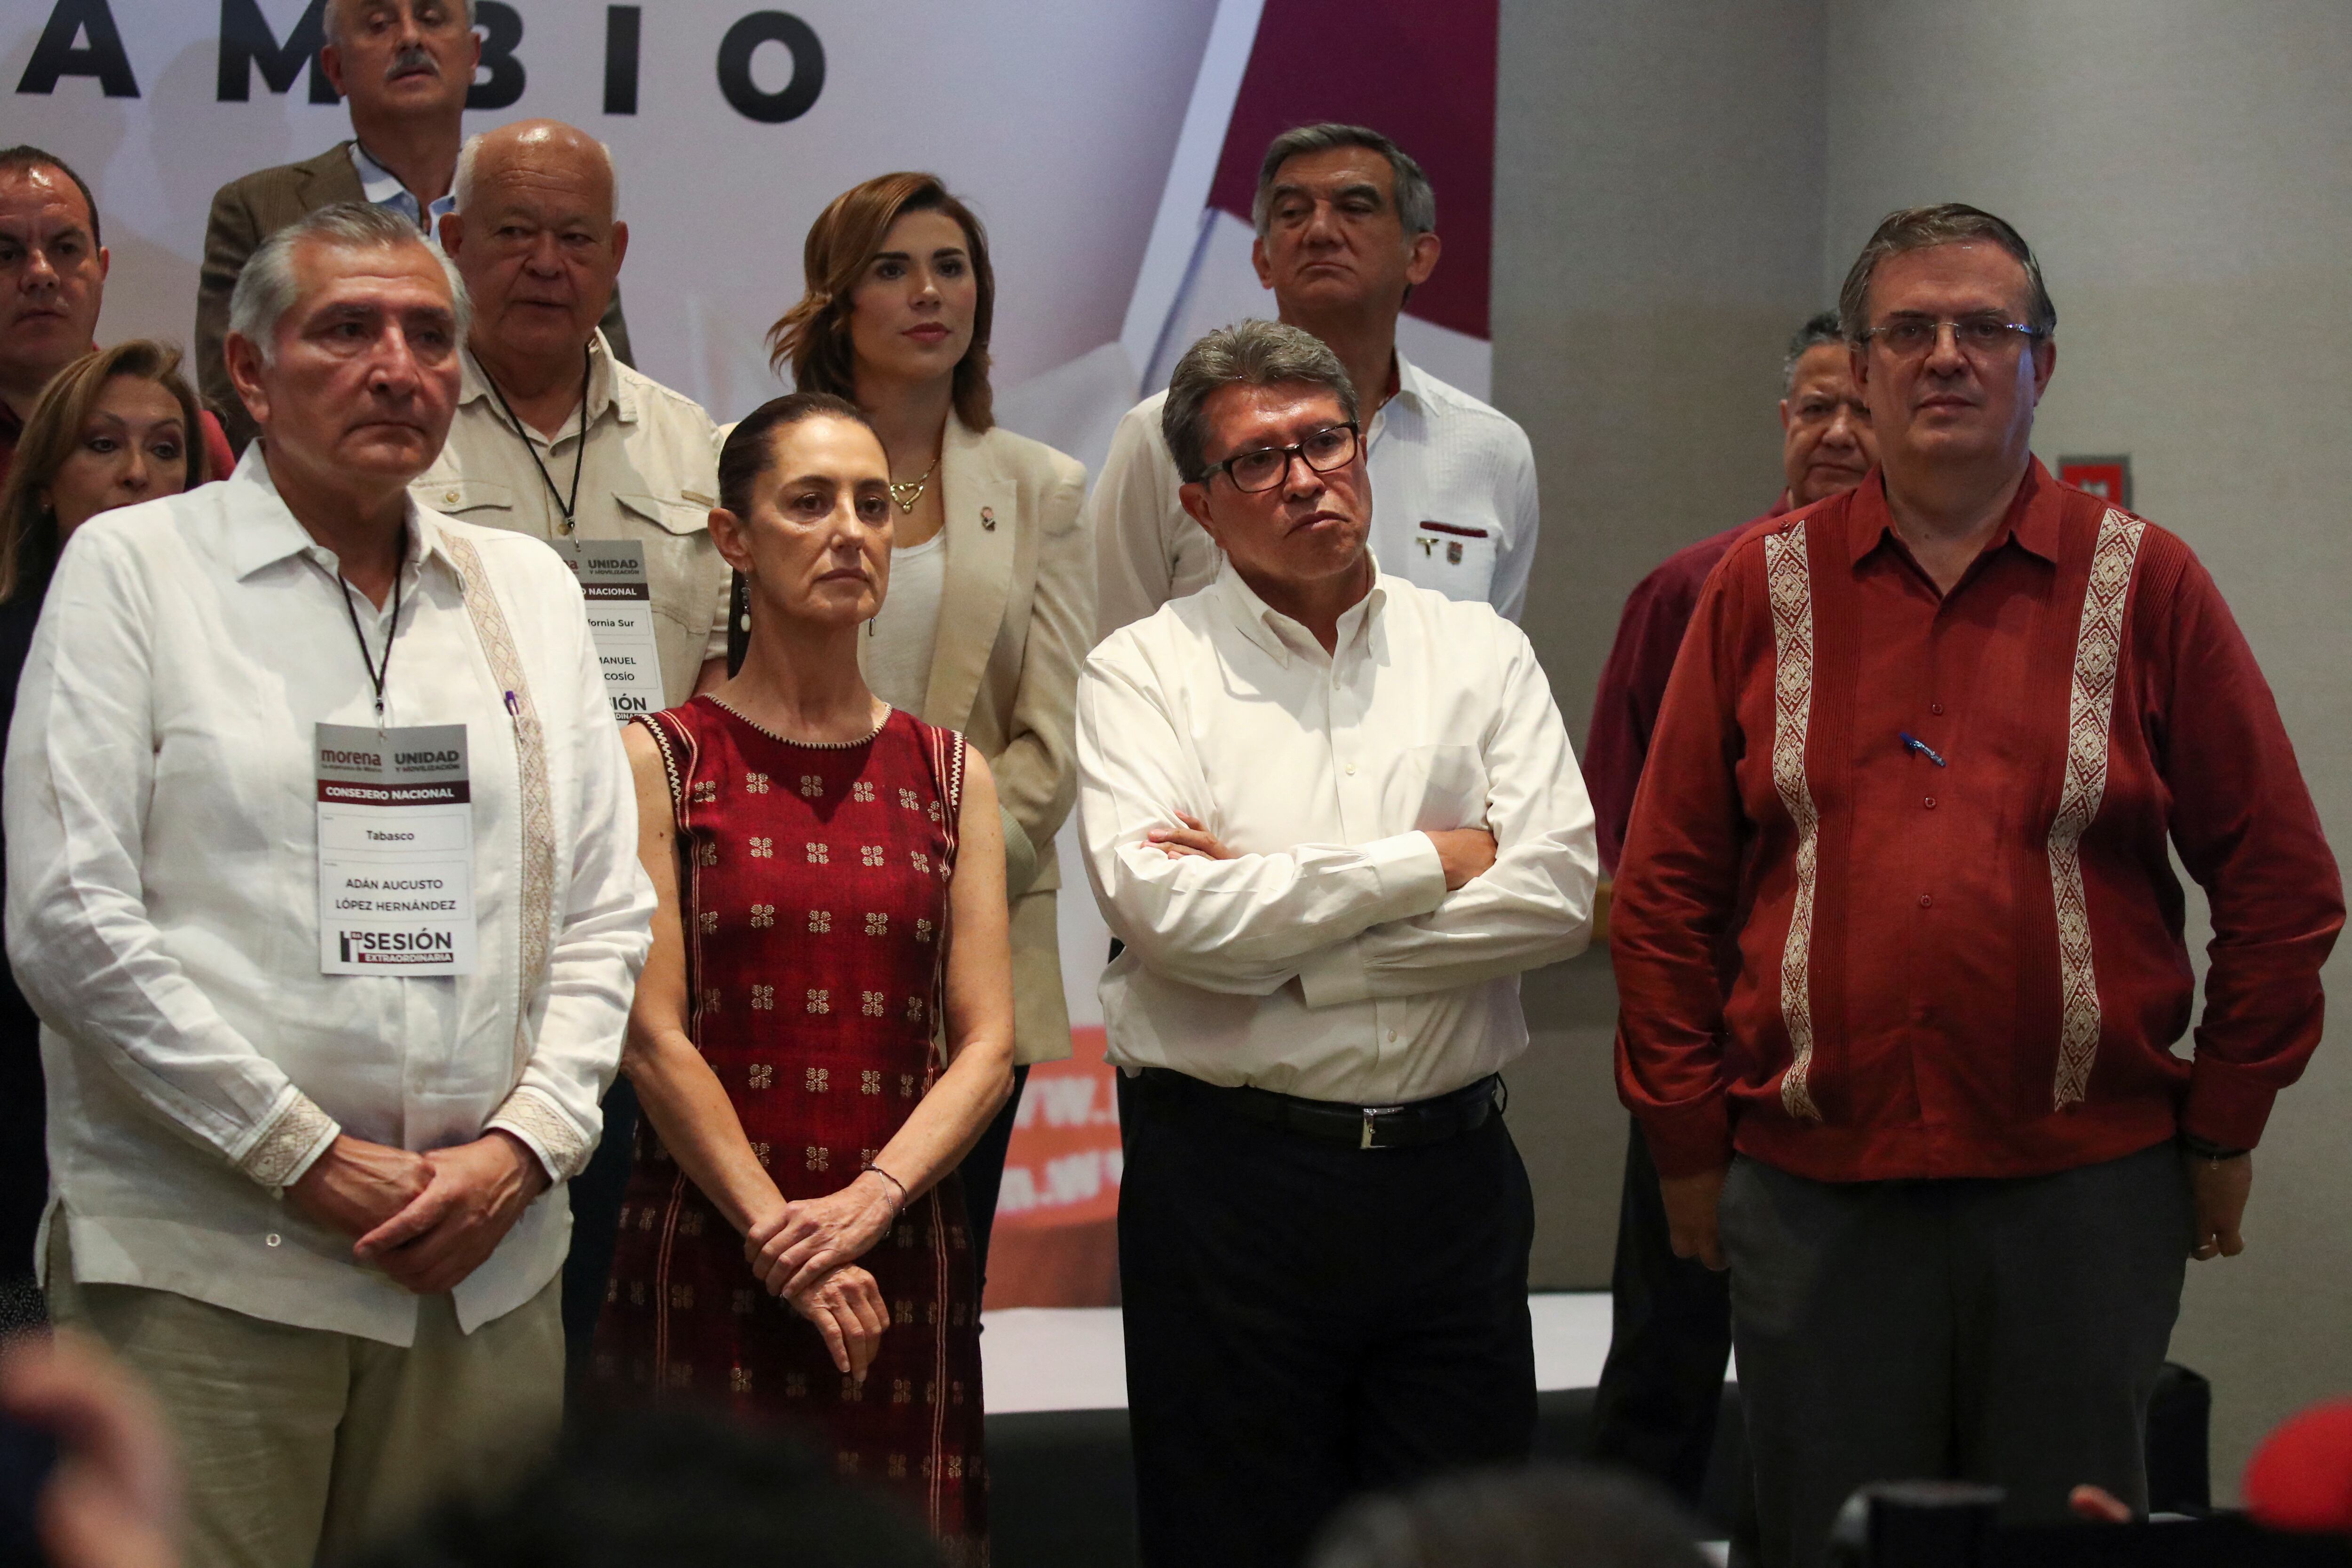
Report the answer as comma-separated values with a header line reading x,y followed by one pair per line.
x,y
1455,559
611,573
396,850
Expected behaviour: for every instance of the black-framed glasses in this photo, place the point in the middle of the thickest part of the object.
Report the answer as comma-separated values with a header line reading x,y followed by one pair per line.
x,y
1978,337
1261,468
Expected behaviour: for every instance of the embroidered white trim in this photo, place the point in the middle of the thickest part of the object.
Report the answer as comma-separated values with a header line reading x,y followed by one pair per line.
x,y
538,813
2090,713
1788,583
532,1117
300,1128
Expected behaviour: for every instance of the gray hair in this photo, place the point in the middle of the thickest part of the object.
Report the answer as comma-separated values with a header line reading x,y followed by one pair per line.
x,y
334,27
1818,329
1251,354
461,188
1923,228
1417,203
267,287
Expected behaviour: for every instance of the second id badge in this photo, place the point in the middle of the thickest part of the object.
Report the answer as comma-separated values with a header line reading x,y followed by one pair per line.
x,y
396,850
611,573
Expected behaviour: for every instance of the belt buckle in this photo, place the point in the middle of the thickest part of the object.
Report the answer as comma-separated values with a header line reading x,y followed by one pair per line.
x,y
1371,1112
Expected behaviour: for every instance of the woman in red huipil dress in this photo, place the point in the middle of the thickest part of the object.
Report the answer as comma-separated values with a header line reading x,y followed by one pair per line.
x,y
832,883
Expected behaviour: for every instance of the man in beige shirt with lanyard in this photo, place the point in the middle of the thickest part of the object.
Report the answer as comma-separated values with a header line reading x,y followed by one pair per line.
x,y
555,437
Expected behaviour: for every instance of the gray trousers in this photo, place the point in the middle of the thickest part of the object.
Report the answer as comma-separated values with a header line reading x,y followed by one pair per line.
x,y
2004,1332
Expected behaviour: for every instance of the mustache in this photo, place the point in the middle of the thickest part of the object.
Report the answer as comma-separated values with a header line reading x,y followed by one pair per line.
x,y
411,57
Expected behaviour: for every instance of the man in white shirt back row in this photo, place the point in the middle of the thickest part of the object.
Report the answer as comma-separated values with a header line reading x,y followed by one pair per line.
x,y
1332,815
1346,226
323,877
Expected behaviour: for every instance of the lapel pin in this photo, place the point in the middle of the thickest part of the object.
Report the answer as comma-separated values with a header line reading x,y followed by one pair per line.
x,y
988,518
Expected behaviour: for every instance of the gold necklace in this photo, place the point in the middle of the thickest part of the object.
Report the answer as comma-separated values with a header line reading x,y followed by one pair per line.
x,y
909,493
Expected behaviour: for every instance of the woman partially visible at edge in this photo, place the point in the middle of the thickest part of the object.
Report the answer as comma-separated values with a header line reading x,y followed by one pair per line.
x,y
992,607
116,426
832,928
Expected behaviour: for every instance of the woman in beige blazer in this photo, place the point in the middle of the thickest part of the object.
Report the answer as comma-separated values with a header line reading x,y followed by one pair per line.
x,y
991,604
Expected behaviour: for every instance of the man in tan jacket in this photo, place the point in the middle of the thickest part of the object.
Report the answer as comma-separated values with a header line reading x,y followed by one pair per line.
x,y
404,68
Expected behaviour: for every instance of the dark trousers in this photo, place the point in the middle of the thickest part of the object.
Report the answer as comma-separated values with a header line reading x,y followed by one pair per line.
x,y
1306,1321
2003,1331
984,1175
596,1195
1669,1343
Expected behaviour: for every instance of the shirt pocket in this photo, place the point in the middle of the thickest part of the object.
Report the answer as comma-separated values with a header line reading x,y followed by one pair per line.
x,y
682,565
1455,559
1450,783
479,502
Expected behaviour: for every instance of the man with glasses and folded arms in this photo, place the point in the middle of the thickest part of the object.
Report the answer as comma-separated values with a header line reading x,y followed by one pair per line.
x,y
1332,815
1346,226
1923,759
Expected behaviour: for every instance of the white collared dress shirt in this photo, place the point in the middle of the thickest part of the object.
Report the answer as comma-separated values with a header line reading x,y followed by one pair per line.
x,y
163,909
648,472
1454,505
1327,960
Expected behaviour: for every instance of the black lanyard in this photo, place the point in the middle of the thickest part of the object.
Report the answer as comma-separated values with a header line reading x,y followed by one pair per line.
x,y
377,675
579,459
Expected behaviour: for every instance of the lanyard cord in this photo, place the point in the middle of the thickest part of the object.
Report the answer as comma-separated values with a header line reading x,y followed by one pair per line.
x,y
377,675
579,459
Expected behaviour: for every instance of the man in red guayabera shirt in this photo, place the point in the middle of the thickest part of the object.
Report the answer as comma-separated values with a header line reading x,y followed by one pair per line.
x,y
1921,758
1671,1317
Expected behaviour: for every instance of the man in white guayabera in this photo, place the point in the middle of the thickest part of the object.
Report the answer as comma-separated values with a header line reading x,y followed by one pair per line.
x,y
323,877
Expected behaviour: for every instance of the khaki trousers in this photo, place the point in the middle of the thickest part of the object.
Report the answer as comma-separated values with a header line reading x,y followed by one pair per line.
x,y
302,1445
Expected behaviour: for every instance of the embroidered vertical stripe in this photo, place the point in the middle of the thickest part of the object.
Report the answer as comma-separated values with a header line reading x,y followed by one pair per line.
x,y
538,813
2090,713
1788,583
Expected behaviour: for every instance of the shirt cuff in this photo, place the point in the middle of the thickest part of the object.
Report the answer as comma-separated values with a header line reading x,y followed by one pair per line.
x,y
291,1144
1692,1141
533,1116
1412,877
1336,976
2226,1104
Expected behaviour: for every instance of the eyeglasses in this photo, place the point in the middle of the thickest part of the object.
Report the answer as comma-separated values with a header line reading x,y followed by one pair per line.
x,y
1978,337
1262,469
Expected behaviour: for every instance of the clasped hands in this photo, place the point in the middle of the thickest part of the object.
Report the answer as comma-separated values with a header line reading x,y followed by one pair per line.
x,y
806,1252
428,1220
1464,852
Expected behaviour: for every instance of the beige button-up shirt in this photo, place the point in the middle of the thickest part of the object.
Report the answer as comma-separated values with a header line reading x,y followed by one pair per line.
x,y
651,475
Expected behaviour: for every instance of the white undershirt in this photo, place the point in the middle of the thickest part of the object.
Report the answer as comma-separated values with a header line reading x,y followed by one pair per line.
x,y
897,651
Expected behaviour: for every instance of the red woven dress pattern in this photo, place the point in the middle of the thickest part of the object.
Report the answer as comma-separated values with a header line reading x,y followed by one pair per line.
x,y
814,891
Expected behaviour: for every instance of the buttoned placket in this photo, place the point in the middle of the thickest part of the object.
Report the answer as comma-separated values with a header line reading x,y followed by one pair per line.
x,y
405,1009
1347,703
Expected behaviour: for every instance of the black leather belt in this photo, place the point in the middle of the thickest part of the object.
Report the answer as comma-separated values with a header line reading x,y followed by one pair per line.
x,y
1358,1126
